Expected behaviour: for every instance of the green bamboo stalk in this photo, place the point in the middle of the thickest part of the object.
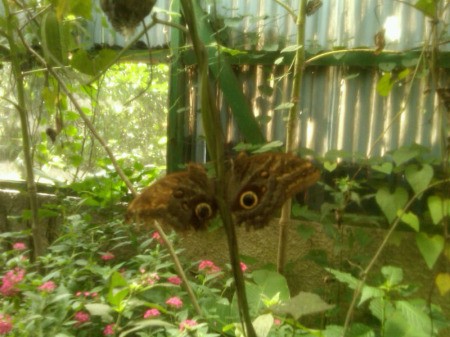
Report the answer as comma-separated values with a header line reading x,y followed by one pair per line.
x,y
37,238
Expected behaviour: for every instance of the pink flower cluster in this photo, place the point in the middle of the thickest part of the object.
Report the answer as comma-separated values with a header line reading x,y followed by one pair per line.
x,y
151,313
10,281
174,280
149,279
81,317
47,287
19,246
109,330
86,294
107,256
187,324
5,324
175,302
156,236
208,267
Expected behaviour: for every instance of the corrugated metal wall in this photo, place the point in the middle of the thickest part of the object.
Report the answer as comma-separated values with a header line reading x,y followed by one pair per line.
x,y
340,107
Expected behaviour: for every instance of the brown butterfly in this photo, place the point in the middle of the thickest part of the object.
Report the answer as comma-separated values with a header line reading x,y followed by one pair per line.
x,y
256,186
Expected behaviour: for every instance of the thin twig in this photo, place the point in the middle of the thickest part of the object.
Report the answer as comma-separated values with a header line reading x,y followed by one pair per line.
x,y
291,128
374,259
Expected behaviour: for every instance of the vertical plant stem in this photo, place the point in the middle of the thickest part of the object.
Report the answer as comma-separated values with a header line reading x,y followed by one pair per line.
x,y
291,128
37,237
214,140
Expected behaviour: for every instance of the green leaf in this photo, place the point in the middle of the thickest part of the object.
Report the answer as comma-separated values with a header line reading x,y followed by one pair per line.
x,y
269,147
410,219
263,324
329,166
141,325
360,330
369,292
438,208
302,304
384,168
347,278
390,203
443,283
403,154
271,283
384,85
415,316
92,65
417,178
393,275
283,106
98,309
427,7
54,41
430,247
291,48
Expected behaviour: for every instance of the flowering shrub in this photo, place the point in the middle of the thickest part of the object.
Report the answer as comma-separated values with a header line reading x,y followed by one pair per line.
x,y
97,285
104,281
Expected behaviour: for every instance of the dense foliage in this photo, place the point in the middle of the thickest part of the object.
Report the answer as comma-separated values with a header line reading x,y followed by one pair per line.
x,y
97,131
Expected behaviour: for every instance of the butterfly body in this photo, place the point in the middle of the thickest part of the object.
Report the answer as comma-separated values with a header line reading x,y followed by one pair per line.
x,y
255,187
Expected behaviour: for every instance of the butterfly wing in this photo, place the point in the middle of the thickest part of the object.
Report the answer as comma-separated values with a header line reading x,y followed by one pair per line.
x,y
259,185
182,199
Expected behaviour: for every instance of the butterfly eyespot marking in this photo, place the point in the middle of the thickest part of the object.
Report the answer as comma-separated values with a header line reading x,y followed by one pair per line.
x,y
248,200
203,210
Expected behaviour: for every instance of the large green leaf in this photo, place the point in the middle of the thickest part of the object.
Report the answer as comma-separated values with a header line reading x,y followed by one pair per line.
x,y
390,203
90,64
427,7
430,247
263,324
302,304
410,219
271,283
54,39
403,154
438,208
417,178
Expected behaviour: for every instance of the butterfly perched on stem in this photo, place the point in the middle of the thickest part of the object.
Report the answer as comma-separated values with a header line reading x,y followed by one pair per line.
x,y
256,186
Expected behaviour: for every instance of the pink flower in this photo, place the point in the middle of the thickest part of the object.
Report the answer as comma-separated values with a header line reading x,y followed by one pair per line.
x,y
151,279
243,267
5,324
151,313
187,324
81,317
277,321
107,256
48,286
10,280
19,246
174,280
109,330
208,266
175,302
156,236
